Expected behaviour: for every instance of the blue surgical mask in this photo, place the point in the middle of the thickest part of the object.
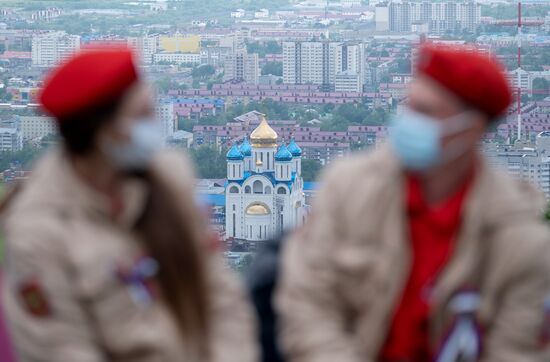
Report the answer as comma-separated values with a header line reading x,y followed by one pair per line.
x,y
145,140
416,139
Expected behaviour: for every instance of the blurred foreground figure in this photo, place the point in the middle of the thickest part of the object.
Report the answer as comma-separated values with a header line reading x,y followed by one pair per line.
x,y
108,258
420,252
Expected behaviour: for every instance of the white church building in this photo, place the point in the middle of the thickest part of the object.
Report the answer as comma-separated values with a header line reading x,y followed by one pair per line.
x,y
264,191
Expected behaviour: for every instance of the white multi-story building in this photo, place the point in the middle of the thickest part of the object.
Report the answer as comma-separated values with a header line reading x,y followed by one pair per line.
x,y
164,111
348,81
177,58
145,46
440,17
382,17
349,63
318,62
535,167
51,48
308,62
530,162
264,192
241,66
520,78
10,139
36,127
350,3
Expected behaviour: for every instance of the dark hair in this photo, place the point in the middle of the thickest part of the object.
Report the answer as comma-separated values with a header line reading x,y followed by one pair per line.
x,y
79,131
173,232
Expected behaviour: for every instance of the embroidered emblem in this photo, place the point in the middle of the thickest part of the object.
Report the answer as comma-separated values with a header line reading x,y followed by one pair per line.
x,y
139,279
34,298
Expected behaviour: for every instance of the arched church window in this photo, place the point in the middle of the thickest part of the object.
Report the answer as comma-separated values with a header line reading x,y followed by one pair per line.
x,y
257,187
247,189
281,191
233,190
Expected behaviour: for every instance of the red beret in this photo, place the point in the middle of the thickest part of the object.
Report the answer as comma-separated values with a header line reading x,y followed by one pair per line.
x,y
89,79
476,78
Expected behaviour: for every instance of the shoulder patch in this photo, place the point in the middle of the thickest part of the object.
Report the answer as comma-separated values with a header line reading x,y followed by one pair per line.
x,y
34,298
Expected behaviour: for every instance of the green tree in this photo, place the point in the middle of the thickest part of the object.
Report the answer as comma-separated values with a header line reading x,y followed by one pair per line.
x,y
269,47
209,162
310,169
163,84
22,158
272,47
403,65
275,68
185,124
203,72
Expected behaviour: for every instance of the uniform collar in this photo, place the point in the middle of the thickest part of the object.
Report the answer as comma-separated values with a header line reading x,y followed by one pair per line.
x,y
81,195
443,215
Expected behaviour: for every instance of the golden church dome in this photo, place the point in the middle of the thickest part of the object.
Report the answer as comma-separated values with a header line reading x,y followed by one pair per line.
x,y
257,209
263,135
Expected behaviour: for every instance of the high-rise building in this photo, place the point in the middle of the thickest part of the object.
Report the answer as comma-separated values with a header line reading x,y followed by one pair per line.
x,y
400,17
382,17
51,48
164,111
438,17
145,46
349,63
36,127
318,62
10,139
530,162
241,66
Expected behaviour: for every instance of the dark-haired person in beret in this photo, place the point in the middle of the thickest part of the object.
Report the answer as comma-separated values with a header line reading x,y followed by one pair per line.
x,y
108,256
420,251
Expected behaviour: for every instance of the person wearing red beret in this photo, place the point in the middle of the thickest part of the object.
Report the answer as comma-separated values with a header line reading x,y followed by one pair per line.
x,y
419,251
108,257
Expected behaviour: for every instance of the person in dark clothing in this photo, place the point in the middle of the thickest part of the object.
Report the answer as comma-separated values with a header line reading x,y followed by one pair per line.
x,y
262,280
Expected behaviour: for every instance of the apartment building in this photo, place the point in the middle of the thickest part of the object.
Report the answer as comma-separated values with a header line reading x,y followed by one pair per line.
x,y
49,49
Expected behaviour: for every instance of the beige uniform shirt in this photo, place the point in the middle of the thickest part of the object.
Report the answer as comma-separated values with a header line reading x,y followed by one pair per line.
x,y
343,274
64,296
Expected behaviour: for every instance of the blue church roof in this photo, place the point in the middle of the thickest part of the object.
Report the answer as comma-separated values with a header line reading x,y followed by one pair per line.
x,y
294,148
212,199
283,154
245,148
311,185
234,154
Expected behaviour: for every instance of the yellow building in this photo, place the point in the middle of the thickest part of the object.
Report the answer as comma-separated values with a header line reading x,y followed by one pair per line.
x,y
180,44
